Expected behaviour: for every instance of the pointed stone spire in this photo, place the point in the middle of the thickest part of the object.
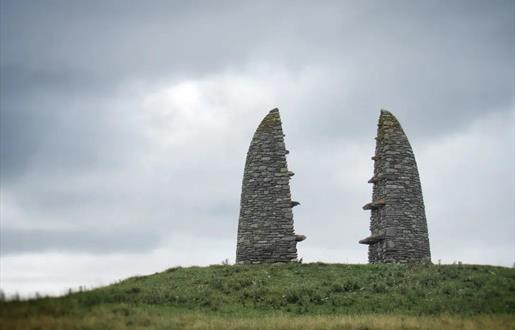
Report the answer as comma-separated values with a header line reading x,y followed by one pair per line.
x,y
265,229
398,220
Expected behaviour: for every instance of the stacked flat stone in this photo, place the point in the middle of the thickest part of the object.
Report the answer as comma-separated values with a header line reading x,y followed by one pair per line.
x,y
265,229
398,220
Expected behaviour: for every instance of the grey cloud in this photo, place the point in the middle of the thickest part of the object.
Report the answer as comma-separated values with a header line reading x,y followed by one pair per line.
x,y
56,133
115,240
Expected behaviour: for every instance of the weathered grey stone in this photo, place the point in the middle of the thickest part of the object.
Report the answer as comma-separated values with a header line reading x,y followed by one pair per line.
x,y
398,220
265,228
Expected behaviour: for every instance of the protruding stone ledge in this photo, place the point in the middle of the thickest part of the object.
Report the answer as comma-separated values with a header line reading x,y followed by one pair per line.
x,y
375,157
374,205
300,238
290,173
379,177
374,238
294,203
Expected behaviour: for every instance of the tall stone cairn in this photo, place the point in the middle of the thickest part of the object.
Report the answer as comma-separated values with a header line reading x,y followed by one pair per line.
x,y
398,220
265,229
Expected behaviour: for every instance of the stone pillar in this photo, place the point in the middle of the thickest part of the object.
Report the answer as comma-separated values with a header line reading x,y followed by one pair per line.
x,y
398,220
265,229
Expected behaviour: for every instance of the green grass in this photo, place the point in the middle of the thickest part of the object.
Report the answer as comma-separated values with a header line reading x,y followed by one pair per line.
x,y
287,296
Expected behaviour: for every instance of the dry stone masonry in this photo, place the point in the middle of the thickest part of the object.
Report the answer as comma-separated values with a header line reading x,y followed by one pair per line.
x,y
398,220
265,229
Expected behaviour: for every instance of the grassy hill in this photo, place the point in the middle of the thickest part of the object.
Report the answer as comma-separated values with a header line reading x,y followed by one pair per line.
x,y
286,296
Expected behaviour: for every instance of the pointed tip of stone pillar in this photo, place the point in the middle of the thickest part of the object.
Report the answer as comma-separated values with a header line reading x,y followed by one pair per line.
x,y
385,112
387,119
272,119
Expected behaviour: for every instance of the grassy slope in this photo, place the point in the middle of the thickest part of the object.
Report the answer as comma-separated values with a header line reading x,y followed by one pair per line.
x,y
286,296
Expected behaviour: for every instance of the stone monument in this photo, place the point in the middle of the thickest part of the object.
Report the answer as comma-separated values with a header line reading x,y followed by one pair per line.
x,y
265,228
398,220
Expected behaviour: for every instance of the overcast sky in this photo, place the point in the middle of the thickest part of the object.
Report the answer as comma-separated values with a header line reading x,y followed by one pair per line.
x,y
125,125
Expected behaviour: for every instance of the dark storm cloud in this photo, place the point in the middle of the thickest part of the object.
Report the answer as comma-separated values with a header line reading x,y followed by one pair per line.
x,y
73,141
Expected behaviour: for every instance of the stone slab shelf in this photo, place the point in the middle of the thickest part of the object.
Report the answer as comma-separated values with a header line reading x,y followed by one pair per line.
x,y
379,177
374,205
294,203
300,238
372,239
